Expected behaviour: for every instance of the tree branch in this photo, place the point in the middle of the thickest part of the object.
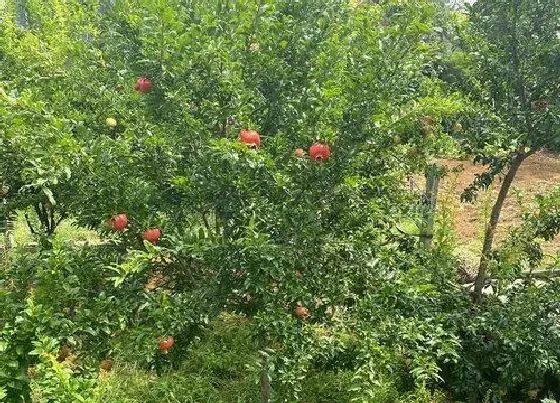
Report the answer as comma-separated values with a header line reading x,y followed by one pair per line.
x,y
206,223
62,217
28,222
492,225
52,224
42,216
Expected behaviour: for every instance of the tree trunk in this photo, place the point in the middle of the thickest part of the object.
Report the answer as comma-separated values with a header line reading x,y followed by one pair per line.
x,y
493,223
265,382
9,234
430,200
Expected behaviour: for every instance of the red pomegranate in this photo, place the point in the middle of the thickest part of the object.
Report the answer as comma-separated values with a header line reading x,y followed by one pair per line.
x,y
165,344
299,152
250,137
301,312
120,221
143,85
319,151
152,235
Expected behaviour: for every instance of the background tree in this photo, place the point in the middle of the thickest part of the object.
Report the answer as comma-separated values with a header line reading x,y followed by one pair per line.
x,y
507,63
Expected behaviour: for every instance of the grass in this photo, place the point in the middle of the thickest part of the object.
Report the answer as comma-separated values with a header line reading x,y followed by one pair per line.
x,y
220,368
129,385
213,369
67,231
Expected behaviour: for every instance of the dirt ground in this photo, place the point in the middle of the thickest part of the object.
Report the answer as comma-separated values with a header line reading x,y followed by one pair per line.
x,y
538,174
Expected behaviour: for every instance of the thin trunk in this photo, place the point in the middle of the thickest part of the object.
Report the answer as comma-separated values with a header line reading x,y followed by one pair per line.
x,y
29,225
206,223
52,221
430,200
265,382
43,215
8,230
46,215
491,227
9,234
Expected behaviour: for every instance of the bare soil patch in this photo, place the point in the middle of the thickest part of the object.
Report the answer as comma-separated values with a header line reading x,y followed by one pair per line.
x,y
538,174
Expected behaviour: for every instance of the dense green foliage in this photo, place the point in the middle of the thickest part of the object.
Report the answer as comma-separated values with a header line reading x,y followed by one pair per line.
x,y
311,268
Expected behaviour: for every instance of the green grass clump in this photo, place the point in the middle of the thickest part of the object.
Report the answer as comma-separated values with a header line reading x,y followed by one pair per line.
x,y
214,369
66,232
219,368
129,385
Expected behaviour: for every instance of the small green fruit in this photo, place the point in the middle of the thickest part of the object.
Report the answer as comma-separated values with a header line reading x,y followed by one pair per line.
x,y
111,122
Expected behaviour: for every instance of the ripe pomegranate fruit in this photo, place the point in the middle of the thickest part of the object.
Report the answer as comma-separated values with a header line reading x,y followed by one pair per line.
x,y
120,221
299,152
301,312
152,235
143,85
319,151
165,344
250,137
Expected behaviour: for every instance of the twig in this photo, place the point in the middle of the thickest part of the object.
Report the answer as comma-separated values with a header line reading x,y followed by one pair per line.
x,y
28,221
206,223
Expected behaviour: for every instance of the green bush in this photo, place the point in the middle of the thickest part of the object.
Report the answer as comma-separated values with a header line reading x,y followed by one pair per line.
x,y
511,347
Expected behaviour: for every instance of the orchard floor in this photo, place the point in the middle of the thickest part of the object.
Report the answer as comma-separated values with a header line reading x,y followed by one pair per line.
x,y
219,368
